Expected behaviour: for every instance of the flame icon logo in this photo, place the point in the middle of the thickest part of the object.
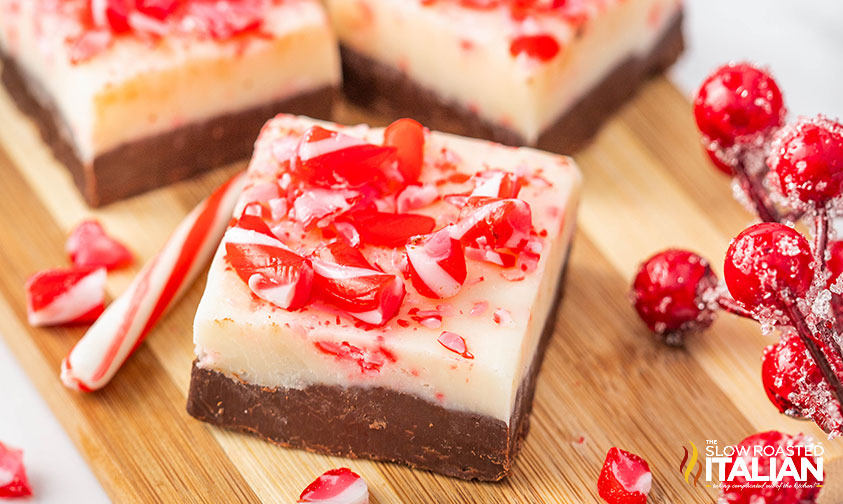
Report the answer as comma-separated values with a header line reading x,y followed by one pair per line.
x,y
691,464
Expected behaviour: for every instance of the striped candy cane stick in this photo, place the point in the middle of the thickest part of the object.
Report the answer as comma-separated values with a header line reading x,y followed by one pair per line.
x,y
122,327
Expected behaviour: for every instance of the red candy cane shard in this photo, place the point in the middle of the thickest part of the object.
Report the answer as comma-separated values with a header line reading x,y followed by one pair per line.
x,y
337,486
436,264
122,327
13,480
89,245
65,296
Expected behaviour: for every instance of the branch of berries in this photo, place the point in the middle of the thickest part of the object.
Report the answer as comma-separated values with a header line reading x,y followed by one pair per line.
x,y
786,174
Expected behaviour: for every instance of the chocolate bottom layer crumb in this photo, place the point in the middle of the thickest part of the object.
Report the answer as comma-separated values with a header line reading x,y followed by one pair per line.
x,y
375,423
158,160
374,85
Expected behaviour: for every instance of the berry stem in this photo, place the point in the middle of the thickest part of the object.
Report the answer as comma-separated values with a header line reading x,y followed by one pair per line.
x,y
753,189
821,227
797,318
730,305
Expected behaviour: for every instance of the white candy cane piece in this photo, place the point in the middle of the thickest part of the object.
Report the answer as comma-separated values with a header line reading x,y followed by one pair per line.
x,y
96,358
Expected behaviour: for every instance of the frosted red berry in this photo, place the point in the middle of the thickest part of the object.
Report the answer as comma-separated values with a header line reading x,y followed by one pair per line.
x,y
738,101
779,446
834,264
668,292
768,263
625,478
807,158
784,365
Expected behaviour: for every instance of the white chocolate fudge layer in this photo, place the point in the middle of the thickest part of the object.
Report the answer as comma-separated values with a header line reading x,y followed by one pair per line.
x,y
498,312
113,88
518,67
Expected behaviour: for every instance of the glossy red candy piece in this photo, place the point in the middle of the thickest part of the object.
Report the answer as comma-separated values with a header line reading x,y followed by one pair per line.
x,y
158,9
224,20
625,478
337,486
407,137
345,280
89,245
272,271
389,230
111,14
13,480
494,222
65,296
542,47
436,264
329,158
455,343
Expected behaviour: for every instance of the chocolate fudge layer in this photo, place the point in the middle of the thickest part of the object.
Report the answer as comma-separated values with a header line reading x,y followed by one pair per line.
x,y
158,160
375,423
372,84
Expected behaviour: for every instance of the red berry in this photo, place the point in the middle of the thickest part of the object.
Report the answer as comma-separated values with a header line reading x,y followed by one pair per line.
x,y
718,163
668,292
542,47
13,480
807,158
89,245
737,102
756,453
784,364
767,263
407,136
337,486
795,385
625,478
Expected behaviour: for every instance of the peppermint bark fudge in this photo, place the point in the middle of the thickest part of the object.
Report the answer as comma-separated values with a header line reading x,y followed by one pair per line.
x,y
385,293
541,73
135,94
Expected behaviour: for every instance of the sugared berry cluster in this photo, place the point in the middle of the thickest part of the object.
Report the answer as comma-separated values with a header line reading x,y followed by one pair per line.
x,y
790,176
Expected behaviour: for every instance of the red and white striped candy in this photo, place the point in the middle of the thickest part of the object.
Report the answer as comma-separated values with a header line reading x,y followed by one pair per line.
x,y
65,296
345,280
496,184
122,327
416,196
316,204
272,271
13,480
437,264
337,486
88,245
330,158
494,222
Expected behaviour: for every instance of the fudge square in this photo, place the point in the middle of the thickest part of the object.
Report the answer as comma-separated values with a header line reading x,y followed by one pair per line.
x,y
385,293
135,94
523,72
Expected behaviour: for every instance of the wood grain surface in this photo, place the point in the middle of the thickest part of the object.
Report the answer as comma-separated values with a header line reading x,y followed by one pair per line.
x,y
605,381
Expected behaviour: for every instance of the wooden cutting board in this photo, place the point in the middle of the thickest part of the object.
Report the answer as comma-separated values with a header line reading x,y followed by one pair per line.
x,y
605,381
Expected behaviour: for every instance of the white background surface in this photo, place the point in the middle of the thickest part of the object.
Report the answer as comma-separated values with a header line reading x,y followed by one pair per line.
x,y
801,41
